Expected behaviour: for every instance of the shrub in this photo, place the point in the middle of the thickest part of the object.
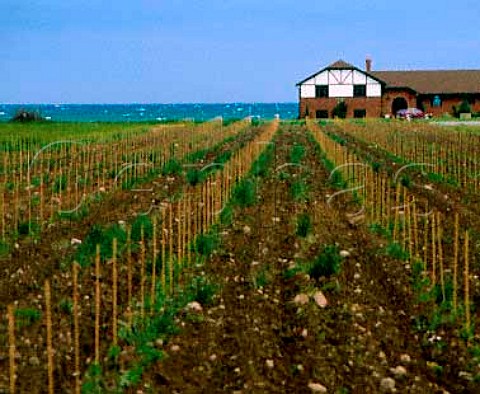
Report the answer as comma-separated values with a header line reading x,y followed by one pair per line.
x,y
327,263
299,190
340,110
297,153
203,290
245,193
172,167
304,225
464,107
205,244
24,116
27,316
194,176
142,221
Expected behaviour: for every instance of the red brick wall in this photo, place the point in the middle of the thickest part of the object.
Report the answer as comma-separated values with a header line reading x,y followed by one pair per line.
x,y
447,104
372,105
377,107
391,95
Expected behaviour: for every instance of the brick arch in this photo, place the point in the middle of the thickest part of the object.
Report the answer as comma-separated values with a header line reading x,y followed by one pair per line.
x,y
398,103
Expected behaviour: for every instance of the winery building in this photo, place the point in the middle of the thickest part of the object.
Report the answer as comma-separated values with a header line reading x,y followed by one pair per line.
x,y
368,93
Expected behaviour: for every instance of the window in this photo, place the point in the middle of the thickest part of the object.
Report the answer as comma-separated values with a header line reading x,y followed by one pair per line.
x,y
359,113
436,101
321,91
322,114
359,90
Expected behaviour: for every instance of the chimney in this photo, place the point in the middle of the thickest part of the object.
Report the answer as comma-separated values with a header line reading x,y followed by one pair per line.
x,y
368,64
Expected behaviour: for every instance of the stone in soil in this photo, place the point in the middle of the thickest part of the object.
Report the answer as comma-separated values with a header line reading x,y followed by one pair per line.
x,y
301,299
317,388
320,299
387,385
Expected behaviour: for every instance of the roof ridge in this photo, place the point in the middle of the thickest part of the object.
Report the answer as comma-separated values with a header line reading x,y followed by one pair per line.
x,y
429,70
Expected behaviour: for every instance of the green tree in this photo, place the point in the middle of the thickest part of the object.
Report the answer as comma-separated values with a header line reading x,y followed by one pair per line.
x,y
340,110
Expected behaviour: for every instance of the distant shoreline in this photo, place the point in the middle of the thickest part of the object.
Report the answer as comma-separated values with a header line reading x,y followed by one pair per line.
x,y
138,112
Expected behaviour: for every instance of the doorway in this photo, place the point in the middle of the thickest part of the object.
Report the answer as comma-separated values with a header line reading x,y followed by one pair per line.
x,y
398,104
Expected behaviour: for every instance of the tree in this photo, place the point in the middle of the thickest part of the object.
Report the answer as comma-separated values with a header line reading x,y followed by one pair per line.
x,y
24,116
340,110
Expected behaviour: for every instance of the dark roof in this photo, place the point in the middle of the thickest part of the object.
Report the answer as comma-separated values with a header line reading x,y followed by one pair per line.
x,y
432,81
340,65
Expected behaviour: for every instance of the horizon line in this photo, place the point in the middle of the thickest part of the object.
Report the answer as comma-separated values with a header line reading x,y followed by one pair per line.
x,y
151,103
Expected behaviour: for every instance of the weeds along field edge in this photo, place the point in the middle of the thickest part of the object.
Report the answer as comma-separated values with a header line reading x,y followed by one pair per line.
x,y
130,281
435,246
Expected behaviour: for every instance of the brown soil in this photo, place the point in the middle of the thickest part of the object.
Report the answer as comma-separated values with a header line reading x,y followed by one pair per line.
x,y
256,340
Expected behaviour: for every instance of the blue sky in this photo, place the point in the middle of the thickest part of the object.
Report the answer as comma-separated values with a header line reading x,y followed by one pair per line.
x,y
99,51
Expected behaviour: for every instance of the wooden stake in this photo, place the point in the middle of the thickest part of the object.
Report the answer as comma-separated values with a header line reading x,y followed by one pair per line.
x,y
48,309
440,256
467,282
129,276
408,223
97,305
76,328
189,230
415,227
434,252
170,249
114,292
154,266
179,236
11,346
455,262
426,232
163,274
2,214
395,223
142,272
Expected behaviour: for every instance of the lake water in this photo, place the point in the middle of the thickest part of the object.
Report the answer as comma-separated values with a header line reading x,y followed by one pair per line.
x,y
151,112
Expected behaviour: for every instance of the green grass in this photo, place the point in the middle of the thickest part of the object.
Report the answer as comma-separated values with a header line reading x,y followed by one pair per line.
x,y
203,290
103,237
327,263
297,154
245,193
304,225
25,317
14,136
299,190
205,244
396,251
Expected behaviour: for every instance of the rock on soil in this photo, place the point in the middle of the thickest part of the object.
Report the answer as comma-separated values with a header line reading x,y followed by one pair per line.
x,y
194,306
399,371
320,299
301,299
405,358
387,385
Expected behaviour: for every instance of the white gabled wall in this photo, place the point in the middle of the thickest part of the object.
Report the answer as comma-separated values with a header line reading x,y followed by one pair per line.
x,y
374,90
359,78
341,90
322,78
340,84
307,91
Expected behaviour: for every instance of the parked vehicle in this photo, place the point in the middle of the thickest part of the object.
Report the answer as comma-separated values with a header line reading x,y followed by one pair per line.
x,y
410,113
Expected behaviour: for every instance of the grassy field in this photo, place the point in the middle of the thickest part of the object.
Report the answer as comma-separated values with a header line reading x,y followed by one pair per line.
x,y
277,257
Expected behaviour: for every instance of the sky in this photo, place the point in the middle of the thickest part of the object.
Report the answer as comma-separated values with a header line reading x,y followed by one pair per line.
x,y
217,51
